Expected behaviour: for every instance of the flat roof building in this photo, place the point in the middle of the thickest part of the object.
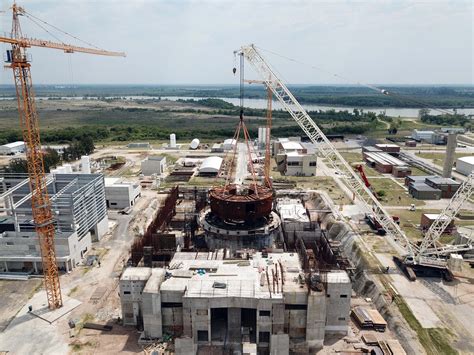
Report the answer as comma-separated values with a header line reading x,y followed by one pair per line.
x,y
447,186
422,191
80,215
153,165
465,165
221,300
120,194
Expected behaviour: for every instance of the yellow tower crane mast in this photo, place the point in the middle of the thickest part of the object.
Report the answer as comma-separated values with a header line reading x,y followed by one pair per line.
x,y
18,59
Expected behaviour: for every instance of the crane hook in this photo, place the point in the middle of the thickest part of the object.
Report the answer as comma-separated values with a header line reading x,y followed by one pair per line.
x,y
234,70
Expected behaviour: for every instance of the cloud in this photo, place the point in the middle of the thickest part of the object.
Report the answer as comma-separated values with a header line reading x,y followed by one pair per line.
x,y
173,42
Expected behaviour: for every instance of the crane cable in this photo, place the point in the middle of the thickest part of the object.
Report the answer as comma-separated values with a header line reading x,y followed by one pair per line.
x,y
31,17
372,87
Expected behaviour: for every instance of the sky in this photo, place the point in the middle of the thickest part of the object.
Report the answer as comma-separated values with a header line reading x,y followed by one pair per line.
x,y
192,42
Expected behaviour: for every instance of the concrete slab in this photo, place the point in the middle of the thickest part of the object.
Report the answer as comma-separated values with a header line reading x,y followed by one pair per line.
x,y
41,310
28,334
423,313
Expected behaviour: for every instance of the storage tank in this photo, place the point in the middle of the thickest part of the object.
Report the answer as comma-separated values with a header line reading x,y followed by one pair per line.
x,y
194,144
85,164
68,168
172,140
61,170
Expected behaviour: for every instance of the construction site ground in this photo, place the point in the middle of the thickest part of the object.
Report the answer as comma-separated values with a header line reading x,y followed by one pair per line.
x,y
96,288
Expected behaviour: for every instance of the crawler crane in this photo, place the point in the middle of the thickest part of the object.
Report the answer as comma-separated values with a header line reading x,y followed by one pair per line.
x,y
18,60
429,254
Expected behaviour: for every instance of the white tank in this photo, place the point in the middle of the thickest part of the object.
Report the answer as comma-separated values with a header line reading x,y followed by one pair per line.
x,y
61,170
68,168
85,164
172,140
54,171
194,144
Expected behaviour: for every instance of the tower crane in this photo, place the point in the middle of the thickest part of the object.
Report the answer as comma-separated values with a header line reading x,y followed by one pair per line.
x,y
18,59
428,254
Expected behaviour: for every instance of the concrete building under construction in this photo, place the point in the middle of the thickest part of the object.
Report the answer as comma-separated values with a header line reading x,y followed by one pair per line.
x,y
80,214
259,298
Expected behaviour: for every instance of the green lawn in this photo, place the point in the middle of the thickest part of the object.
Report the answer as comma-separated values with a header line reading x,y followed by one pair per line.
x,y
395,195
438,158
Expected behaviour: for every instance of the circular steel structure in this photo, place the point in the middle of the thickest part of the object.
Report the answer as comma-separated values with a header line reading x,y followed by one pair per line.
x,y
241,203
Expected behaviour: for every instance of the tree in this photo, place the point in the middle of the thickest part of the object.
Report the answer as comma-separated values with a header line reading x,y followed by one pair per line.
x,y
423,112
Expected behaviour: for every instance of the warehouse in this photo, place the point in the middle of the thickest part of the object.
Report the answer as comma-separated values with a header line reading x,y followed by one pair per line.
x,y
427,220
384,162
465,165
120,194
80,214
415,179
447,186
422,191
429,137
154,165
210,166
12,148
392,149
369,149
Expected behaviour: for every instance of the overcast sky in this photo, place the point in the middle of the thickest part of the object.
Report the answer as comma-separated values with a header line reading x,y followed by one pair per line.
x,y
191,42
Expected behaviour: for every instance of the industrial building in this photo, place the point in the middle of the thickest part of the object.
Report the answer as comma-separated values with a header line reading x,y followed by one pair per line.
x,y
465,165
210,166
423,191
292,159
429,137
153,165
80,214
447,186
213,298
12,148
392,149
120,194
386,163
139,145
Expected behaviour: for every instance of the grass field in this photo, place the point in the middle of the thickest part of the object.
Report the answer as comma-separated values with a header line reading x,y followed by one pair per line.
x,y
438,158
394,194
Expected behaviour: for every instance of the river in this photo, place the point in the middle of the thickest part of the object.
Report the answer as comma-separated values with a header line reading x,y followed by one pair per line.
x,y
262,103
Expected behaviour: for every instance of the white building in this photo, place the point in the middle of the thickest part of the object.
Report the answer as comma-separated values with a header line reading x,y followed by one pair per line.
x,y
210,165
120,194
80,215
12,148
465,165
153,165
292,159
229,144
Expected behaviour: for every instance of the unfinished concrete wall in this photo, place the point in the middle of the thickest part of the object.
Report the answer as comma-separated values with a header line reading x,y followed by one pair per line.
x,y
367,286
338,304
279,344
316,320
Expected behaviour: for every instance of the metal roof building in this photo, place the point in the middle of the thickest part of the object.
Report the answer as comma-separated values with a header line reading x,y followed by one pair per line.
x,y
210,165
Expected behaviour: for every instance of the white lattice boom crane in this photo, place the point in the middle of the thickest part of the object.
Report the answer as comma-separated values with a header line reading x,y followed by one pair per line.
x,y
429,245
427,254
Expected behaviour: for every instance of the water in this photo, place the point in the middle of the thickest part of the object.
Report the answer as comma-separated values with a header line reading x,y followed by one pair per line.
x,y
262,104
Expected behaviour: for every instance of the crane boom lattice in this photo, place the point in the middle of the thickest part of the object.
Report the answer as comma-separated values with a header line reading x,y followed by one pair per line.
x,y
326,150
40,202
429,244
